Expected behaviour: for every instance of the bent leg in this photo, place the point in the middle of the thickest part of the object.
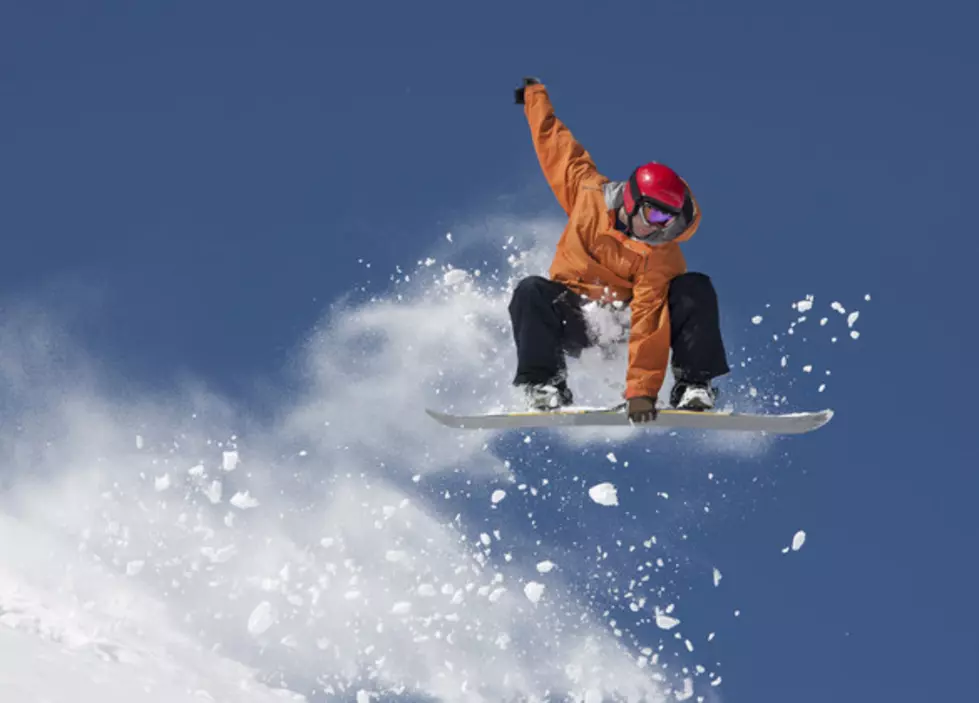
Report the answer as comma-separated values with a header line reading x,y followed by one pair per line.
x,y
547,322
695,330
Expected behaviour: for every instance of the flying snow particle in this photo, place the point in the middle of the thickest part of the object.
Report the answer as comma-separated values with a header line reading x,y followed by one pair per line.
x,y
717,577
867,297
757,319
664,621
497,496
134,567
804,305
533,591
807,368
213,492
261,618
545,566
401,608
455,277
604,494
839,308
139,441
162,483
852,318
229,460
243,500
448,236
611,457
854,334
687,692
785,361
822,387
485,539
798,540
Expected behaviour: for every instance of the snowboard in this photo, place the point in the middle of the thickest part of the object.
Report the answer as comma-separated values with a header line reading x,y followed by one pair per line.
x,y
769,423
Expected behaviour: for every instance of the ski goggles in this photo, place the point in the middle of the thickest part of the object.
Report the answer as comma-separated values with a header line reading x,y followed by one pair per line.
x,y
654,215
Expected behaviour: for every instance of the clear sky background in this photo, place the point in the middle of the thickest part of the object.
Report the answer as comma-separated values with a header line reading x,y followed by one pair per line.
x,y
192,184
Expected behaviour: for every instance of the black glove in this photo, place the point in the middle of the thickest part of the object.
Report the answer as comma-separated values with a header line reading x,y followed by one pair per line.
x,y
518,93
641,409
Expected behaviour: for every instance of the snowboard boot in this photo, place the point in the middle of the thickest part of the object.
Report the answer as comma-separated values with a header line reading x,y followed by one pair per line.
x,y
547,396
693,396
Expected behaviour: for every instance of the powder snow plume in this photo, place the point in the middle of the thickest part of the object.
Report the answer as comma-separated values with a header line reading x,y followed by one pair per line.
x,y
170,547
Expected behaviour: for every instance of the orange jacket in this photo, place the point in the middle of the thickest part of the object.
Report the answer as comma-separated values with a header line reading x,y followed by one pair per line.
x,y
596,260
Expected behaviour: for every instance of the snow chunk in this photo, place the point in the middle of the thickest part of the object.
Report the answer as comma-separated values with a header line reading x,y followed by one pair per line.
x,y
717,578
261,618
611,457
162,483
497,496
807,368
401,608
454,277
757,319
533,591
854,334
804,305
664,621
687,692
229,461
134,567
545,566
798,540
604,494
243,500
852,318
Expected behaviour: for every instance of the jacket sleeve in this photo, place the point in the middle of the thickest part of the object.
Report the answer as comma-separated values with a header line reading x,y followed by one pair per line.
x,y
649,335
565,162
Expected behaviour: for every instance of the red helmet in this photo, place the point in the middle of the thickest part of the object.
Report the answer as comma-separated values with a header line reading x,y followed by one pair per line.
x,y
656,184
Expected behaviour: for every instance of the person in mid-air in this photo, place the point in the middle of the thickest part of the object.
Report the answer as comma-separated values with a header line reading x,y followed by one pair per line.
x,y
621,243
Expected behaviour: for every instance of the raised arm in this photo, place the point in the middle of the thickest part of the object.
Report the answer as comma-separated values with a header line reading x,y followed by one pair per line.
x,y
565,162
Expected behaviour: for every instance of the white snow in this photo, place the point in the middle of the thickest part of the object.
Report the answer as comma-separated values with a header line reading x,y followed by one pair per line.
x,y
717,577
798,540
545,566
229,460
804,305
454,277
161,483
243,500
604,494
757,319
664,621
852,318
497,496
611,457
261,618
533,591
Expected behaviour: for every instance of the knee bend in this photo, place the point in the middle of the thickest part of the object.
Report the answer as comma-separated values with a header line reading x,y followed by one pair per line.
x,y
692,286
529,287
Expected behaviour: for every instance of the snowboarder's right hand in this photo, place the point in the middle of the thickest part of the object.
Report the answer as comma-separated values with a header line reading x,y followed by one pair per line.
x,y
518,93
641,409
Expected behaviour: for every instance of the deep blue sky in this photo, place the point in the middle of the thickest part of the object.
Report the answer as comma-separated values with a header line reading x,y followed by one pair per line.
x,y
217,169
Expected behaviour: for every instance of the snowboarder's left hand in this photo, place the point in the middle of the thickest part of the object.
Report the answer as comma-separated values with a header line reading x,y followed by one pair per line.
x,y
641,409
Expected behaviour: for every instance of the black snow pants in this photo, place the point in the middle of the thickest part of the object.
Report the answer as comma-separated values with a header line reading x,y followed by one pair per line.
x,y
548,324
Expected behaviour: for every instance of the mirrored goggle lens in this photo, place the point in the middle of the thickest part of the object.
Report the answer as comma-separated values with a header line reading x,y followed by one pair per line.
x,y
654,215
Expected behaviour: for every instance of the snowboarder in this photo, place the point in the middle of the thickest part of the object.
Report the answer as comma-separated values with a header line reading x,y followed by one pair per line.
x,y
621,243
